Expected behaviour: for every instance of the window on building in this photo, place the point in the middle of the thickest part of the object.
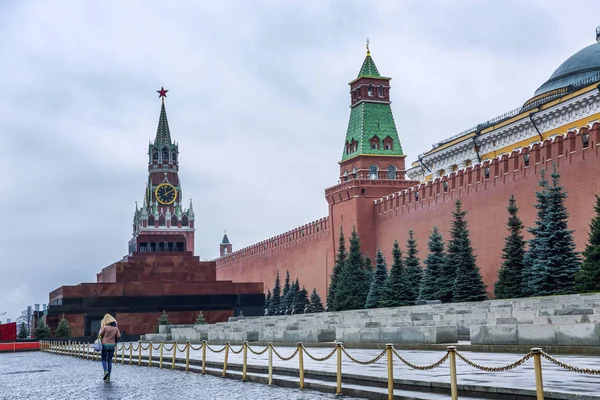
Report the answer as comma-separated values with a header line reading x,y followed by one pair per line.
x,y
373,172
165,154
391,172
370,91
354,173
345,175
185,221
380,90
155,154
174,156
375,142
388,143
151,220
445,184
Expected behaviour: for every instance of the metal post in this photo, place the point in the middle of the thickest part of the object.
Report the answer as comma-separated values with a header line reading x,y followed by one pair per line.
x,y
187,356
245,362
390,367
174,355
161,354
453,383
203,357
301,364
225,361
537,365
270,363
150,355
338,390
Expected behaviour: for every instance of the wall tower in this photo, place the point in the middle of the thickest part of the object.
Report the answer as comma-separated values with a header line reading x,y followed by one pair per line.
x,y
162,224
225,247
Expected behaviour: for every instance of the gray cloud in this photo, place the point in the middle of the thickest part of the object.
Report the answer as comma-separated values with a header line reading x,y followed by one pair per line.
x,y
258,102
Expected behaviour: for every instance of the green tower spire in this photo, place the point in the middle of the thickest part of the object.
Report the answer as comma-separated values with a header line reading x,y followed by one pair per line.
x,y
163,134
371,128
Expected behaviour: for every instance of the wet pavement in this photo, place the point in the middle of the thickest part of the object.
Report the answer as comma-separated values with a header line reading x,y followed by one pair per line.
x,y
39,375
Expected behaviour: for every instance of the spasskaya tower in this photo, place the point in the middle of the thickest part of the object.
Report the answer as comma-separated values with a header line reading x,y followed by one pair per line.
x,y
162,224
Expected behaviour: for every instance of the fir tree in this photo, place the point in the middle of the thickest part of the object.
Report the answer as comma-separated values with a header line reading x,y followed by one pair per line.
x,y
23,333
301,301
510,276
286,301
468,284
276,297
340,260
41,331
588,277
267,301
164,319
394,292
534,272
315,305
63,330
435,264
563,262
412,270
353,288
200,320
377,281
292,297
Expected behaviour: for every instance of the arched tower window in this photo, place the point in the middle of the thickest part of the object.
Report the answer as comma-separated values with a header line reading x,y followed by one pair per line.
x,y
374,143
391,172
155,154
151,221
353,146
165,154
373,172
184,221
348,150
345,175
162,221
354,173
174,156
370,91
174,221
380,90
388,143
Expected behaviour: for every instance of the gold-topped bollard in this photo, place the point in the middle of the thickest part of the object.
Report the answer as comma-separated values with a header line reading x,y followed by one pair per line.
x,y
453,383
301,364
139,353
187,356
115,358
245,361
161,354
150,354
225,360
204,357
270,363
390,367
130,353
123,353
174,355
338,390
537,365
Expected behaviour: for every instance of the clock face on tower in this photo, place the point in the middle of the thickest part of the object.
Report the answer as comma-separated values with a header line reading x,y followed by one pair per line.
x,y
166,193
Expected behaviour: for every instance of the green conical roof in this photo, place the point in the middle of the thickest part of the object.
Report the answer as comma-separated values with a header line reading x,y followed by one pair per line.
x,y
368,68
225,239
163,134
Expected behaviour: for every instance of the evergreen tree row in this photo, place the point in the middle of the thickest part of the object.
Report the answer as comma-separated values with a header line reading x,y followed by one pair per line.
x,y
292,299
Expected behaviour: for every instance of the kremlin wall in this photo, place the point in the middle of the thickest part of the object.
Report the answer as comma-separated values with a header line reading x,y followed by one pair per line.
x,y
482,167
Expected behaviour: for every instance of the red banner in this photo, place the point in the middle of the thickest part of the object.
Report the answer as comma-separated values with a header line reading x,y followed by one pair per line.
x,y
8,331
19,346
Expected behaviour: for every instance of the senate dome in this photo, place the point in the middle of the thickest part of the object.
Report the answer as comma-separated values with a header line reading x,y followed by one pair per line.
x,y
583,65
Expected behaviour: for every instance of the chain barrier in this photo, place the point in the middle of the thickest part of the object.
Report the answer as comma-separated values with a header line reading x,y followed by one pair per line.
x,y
165,347
184,347
420,367
196,349
568,367
216,351
319,359
508,367
155,348
236,352
286,358
373,361
146,347
258,353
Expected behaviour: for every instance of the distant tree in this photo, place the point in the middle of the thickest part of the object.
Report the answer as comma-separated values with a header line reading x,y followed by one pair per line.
x,y
534,271
164,319
510,277
353,288
340,260
563,261
369,268
301,301
63,330
275,302
315,305
394,293
588,277
23,332
267,301
41,331
377,281
286,301
435,264
292,296
412,269
200,320
468,284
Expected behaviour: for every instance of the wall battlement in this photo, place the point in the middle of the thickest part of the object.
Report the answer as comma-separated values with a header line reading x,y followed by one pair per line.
x,y
502,170
277,243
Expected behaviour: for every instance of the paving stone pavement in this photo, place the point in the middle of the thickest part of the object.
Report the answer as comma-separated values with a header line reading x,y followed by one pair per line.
x,y
39,375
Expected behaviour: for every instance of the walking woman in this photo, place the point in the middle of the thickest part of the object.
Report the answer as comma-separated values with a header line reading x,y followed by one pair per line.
x,y
109,333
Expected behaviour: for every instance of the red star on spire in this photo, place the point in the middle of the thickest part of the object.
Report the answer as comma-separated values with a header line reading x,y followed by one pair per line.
x,y
162,92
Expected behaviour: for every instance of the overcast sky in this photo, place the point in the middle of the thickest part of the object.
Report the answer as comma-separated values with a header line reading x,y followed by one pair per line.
x,y
258,102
